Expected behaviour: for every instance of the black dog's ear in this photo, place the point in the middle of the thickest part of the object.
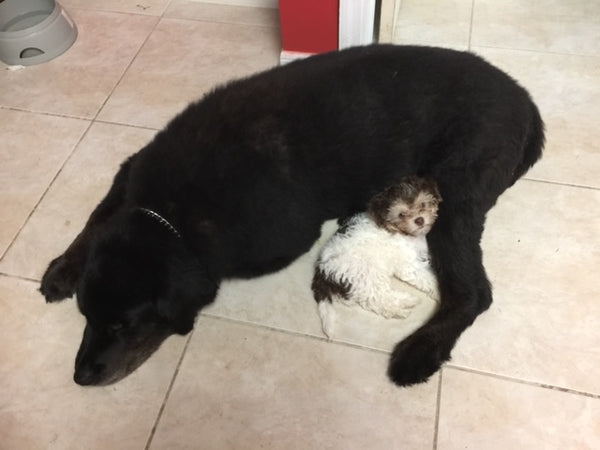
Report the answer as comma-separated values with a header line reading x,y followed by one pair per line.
x,y
188,288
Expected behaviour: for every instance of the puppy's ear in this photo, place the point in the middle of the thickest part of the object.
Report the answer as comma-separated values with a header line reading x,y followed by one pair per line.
x,y
188,288
379,205
431,186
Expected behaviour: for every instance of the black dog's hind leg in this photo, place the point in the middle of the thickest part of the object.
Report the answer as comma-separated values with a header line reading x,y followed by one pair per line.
x,y
465,293
61,276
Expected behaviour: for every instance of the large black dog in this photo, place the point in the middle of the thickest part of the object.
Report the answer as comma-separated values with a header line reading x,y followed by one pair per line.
x,y
239,184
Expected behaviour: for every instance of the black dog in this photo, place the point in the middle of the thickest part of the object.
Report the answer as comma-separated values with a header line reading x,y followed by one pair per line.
x,y
239,183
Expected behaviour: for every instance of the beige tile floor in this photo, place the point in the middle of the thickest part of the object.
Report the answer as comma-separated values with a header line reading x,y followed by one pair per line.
x,y
257,371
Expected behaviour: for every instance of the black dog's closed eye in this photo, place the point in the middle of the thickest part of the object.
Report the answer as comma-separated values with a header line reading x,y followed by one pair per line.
x,y
116,327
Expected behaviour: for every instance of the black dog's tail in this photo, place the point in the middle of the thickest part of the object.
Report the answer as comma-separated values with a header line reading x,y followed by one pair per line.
x,y
533,145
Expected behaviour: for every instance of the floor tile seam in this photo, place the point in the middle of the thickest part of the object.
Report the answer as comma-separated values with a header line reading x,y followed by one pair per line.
x,y
124,124
523,381
45,192
168,392
18,277
561,183
293,333
531,50
451,45
220,22
472,47
111,11
45,113
438,403
471,24
127,67
167,6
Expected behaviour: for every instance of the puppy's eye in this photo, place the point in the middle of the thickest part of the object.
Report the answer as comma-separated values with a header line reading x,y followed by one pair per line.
x,y
402,215
423,205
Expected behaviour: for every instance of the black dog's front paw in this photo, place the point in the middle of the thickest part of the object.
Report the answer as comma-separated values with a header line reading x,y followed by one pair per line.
x,y
59,280
416,358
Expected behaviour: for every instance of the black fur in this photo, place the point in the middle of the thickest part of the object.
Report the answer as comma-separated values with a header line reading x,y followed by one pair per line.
x,y
248,174
324,288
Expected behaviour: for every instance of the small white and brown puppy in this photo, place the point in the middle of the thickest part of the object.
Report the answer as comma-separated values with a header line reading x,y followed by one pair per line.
x,y
358,263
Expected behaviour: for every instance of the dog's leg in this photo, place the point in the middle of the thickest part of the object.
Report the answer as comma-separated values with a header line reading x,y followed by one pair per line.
x,y
61,276
465,293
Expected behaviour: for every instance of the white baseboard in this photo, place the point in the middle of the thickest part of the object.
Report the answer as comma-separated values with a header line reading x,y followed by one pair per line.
x,y
252,3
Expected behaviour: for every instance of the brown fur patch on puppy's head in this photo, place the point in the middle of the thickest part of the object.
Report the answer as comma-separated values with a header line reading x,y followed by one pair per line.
x,y
409,206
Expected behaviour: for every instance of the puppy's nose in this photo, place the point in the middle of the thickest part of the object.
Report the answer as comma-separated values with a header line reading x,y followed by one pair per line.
x,y
419,221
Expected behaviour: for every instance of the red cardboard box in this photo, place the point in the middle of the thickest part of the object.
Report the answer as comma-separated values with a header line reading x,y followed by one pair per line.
x,y
309,26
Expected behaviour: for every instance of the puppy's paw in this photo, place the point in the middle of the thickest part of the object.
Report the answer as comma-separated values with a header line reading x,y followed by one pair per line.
x,y
327,314
59,280
416,358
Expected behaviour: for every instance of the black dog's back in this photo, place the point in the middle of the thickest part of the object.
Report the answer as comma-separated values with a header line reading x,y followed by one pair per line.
x,y
315,139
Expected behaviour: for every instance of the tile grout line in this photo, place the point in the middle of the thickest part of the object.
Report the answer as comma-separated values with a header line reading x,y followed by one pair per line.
x,y
129,125
114,11
221,22
18,277
162,15
168,393
525,382
542,52
559,183
438,403
126,69
471,24
45,192
46,113
84,119
292,333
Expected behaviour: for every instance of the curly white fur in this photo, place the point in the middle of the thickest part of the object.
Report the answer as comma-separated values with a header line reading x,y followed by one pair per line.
x,y
366,257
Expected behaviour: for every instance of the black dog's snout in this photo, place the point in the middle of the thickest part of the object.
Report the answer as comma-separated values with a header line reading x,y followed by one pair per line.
x,y
89,366
419,221
86,375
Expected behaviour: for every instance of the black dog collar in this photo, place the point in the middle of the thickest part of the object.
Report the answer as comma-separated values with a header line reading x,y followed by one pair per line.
x,y
161,220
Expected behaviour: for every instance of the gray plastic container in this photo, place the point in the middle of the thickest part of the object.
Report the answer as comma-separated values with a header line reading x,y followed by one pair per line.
x,y
34,31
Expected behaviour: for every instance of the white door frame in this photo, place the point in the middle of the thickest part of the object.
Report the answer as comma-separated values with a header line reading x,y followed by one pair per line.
x,y
387,20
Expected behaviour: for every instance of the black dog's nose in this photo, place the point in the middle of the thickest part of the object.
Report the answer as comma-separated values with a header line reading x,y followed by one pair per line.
x,y
419,221
86,375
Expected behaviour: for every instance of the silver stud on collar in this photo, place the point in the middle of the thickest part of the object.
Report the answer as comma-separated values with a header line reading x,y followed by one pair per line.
x,y
161,220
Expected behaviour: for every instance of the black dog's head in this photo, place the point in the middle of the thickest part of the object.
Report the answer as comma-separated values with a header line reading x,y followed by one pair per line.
x,y
140,285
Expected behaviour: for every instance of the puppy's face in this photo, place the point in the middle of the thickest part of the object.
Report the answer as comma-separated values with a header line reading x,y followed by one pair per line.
x,y
409,207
